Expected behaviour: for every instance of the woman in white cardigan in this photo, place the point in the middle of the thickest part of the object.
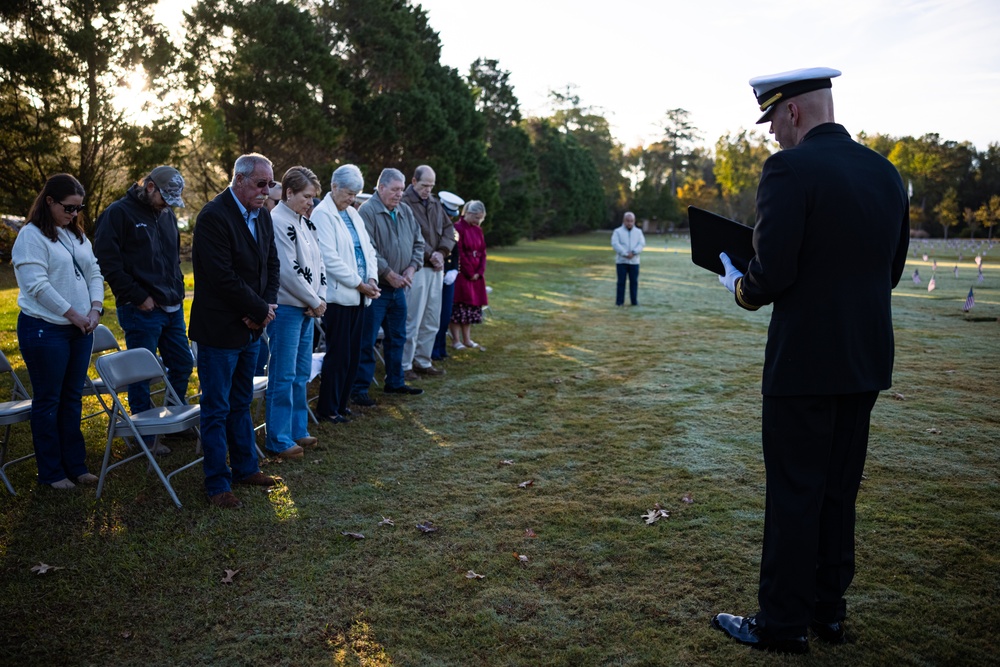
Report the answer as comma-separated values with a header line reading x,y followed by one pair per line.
x,y
61,300
352,282
301,298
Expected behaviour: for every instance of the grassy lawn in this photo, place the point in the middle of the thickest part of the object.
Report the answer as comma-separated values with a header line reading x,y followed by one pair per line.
x,y
608,412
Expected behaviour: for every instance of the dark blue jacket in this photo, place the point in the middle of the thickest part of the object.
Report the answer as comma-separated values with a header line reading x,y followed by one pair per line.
x,y
234,275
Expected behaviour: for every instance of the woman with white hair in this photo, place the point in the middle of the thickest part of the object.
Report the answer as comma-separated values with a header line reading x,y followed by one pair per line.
x,y
352,282
470,286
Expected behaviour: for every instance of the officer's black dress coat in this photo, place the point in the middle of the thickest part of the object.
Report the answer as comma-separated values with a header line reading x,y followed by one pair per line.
x,y
831,238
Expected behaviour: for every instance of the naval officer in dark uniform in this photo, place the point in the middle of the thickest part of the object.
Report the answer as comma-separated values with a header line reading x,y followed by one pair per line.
x,y
829,350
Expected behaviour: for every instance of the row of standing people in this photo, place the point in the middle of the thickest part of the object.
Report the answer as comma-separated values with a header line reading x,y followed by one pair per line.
x,y
254,269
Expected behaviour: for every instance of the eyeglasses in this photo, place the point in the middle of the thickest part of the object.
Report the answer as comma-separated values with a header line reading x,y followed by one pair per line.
x,y
71,208
265,184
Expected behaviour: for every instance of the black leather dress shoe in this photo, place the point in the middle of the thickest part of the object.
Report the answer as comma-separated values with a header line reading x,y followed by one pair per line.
x,y
746,631
831,633
403,389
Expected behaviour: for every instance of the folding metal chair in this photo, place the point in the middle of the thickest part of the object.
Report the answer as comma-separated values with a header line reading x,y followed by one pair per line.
x,y
104,341
120,369
14,411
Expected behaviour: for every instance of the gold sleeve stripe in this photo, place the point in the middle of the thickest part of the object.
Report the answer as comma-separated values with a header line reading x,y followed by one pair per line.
x,y
740,299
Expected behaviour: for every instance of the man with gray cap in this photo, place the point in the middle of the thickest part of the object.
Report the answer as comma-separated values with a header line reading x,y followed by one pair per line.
x,y
138,248
829,351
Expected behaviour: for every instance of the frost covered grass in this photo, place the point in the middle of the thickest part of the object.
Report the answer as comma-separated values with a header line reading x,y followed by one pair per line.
x,y
607,412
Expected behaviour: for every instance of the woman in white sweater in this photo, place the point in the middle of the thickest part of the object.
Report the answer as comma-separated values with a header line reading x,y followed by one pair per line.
x,y
301,297
61,300
352,282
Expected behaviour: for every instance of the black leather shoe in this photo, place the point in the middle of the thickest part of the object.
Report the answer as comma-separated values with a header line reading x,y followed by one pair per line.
x,y
364,400
347,412
831,633
746,631
403,389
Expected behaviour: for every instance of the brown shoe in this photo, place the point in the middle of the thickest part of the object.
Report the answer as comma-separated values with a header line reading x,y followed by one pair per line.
x,y
410,376
307,442
430,370
225,500
292,453
259,479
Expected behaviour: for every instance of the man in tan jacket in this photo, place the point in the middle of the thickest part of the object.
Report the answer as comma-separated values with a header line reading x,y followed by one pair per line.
x,y
423,301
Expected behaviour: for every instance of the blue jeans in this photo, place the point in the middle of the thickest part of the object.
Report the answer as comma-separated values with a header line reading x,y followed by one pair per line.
x,y
152,330
290,337
632,272
440,342
344,326
57,357
226,391
388,312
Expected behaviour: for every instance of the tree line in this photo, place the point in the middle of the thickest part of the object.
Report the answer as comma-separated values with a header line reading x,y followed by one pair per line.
x,y
327,82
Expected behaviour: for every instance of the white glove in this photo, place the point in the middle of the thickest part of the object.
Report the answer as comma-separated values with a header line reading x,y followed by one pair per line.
x,y
732,273
449,276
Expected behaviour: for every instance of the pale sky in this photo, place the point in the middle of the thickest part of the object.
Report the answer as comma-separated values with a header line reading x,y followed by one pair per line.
x,y
909,66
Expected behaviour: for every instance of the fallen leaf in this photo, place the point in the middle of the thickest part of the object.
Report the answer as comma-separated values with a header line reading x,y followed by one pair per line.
x,y
654,515
520,394
315,461
899,397
507,462
526,484
687,498
386,521
126,634
529,533
427,527
523,559
933,431
472,575
43,568
356,536
579,376
557,381
228,579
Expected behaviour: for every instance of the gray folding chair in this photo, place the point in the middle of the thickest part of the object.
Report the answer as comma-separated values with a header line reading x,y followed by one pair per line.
x,y
120,369
104,341
14,411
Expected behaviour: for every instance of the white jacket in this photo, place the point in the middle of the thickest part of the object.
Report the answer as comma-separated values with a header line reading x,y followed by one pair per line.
x,y
337,244
625,241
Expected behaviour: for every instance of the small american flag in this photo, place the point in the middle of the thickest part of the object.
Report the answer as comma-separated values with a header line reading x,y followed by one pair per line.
x,y
916,277
970,301
956,270
979,261
931,285
925,257
934,265
980,278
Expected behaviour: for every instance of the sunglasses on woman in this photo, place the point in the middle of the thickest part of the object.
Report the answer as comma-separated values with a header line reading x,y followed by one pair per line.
x,y
71,208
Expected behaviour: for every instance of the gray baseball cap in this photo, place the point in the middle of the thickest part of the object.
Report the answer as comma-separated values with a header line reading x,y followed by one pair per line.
x,y
170,183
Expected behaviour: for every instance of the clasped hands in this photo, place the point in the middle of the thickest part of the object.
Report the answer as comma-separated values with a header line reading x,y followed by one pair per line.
x,y
732,273
369,289
254,326
398,280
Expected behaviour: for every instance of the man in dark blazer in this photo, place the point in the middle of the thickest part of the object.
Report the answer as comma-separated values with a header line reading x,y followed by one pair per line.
x,y
829,350
235,296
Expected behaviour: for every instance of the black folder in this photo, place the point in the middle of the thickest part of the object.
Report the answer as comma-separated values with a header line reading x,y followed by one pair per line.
x,y
712,234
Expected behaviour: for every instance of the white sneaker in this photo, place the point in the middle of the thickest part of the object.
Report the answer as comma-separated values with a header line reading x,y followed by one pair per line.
x,y
63,485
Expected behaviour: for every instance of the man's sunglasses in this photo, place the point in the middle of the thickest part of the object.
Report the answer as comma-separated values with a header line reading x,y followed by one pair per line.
x,y
71,208
265,184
